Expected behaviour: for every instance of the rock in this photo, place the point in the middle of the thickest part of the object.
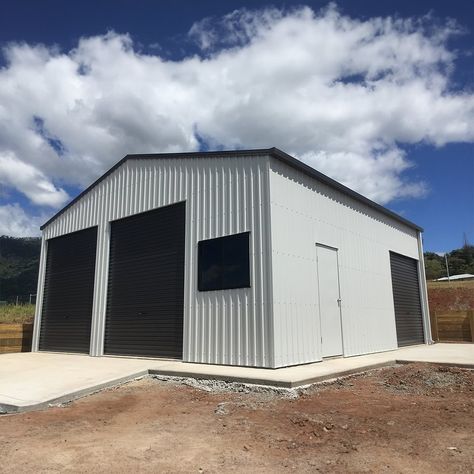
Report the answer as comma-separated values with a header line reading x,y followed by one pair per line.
x,y
221,410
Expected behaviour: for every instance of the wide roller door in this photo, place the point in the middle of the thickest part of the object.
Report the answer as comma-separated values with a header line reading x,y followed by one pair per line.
x,y
146,284
69,292
406,298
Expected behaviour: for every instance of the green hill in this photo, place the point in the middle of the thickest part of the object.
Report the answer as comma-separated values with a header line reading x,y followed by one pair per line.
x,y
19,260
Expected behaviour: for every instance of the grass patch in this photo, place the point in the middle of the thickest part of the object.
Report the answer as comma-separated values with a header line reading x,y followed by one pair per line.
x,y
22,313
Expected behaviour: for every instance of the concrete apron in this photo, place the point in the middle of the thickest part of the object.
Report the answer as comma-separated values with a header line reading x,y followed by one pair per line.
x,y
32,381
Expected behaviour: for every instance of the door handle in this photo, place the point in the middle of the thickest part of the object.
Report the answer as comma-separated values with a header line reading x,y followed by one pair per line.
x,y
339,302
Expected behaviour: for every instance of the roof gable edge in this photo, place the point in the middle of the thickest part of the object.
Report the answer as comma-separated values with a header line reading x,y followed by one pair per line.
x,y
144,156
312,172
272,152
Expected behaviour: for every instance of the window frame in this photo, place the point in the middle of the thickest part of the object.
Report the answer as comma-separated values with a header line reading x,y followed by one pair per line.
x,y
200,284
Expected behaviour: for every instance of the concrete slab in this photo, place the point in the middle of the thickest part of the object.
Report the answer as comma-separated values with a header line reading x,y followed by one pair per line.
x,y
459,355
35,380
31,381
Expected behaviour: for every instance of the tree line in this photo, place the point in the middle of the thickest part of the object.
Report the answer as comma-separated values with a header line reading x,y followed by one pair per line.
x,y
19,262
459,261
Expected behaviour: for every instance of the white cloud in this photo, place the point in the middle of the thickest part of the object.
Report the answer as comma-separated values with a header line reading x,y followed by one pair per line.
x,y
15,222
30,181
352,168
337,92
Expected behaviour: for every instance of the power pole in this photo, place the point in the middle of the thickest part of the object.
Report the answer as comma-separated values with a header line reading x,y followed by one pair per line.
x,y
466,242
447,265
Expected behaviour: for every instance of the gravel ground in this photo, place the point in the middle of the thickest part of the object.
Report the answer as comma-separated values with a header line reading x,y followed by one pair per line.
x,y
410,418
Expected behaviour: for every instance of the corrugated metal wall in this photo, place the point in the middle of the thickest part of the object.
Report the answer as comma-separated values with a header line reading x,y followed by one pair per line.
x,y
223,196
275,322
305,212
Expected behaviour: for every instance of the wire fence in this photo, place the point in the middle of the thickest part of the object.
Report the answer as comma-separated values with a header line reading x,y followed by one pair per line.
x,y
29,298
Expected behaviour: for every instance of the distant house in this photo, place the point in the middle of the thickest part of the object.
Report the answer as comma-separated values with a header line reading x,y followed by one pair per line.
x,y
247,258
463,276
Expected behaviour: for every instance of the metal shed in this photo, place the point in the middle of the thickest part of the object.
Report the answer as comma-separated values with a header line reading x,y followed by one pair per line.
x,y
246,257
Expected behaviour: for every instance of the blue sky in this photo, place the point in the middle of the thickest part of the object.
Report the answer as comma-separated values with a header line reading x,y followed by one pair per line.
x,y
418,160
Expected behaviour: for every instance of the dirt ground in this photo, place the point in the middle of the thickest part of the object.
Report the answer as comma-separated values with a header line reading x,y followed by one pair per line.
x,y
413,418
451,296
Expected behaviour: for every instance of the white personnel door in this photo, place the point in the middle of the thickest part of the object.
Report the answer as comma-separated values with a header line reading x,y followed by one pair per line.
x,y
329,301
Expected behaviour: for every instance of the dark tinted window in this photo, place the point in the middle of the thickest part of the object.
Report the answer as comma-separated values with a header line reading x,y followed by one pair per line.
x,y
223,263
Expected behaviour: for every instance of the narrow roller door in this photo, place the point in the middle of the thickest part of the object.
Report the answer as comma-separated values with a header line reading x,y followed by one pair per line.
x,y
69,292
146,284
406,298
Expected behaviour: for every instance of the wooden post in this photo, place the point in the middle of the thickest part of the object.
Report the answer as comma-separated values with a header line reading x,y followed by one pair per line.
x,y
434,326
470,315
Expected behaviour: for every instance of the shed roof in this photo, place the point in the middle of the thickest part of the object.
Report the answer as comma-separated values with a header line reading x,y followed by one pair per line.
x,y
462,276
272,152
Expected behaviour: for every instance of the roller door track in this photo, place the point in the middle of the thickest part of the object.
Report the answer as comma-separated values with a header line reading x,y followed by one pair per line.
x,y
146,284
69,292
406,298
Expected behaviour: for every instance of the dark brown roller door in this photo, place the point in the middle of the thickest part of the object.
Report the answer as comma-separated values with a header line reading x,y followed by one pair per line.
x,y
406,298
69,292
146,284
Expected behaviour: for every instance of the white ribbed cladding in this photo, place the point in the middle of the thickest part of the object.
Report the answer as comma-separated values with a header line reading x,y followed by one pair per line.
x,y
223,196
305,212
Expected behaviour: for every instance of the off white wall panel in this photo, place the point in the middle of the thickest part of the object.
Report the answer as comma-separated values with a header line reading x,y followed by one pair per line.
x,y
305,212
223,196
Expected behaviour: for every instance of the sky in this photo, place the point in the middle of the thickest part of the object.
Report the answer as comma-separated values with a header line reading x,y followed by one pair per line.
x,y
377,95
